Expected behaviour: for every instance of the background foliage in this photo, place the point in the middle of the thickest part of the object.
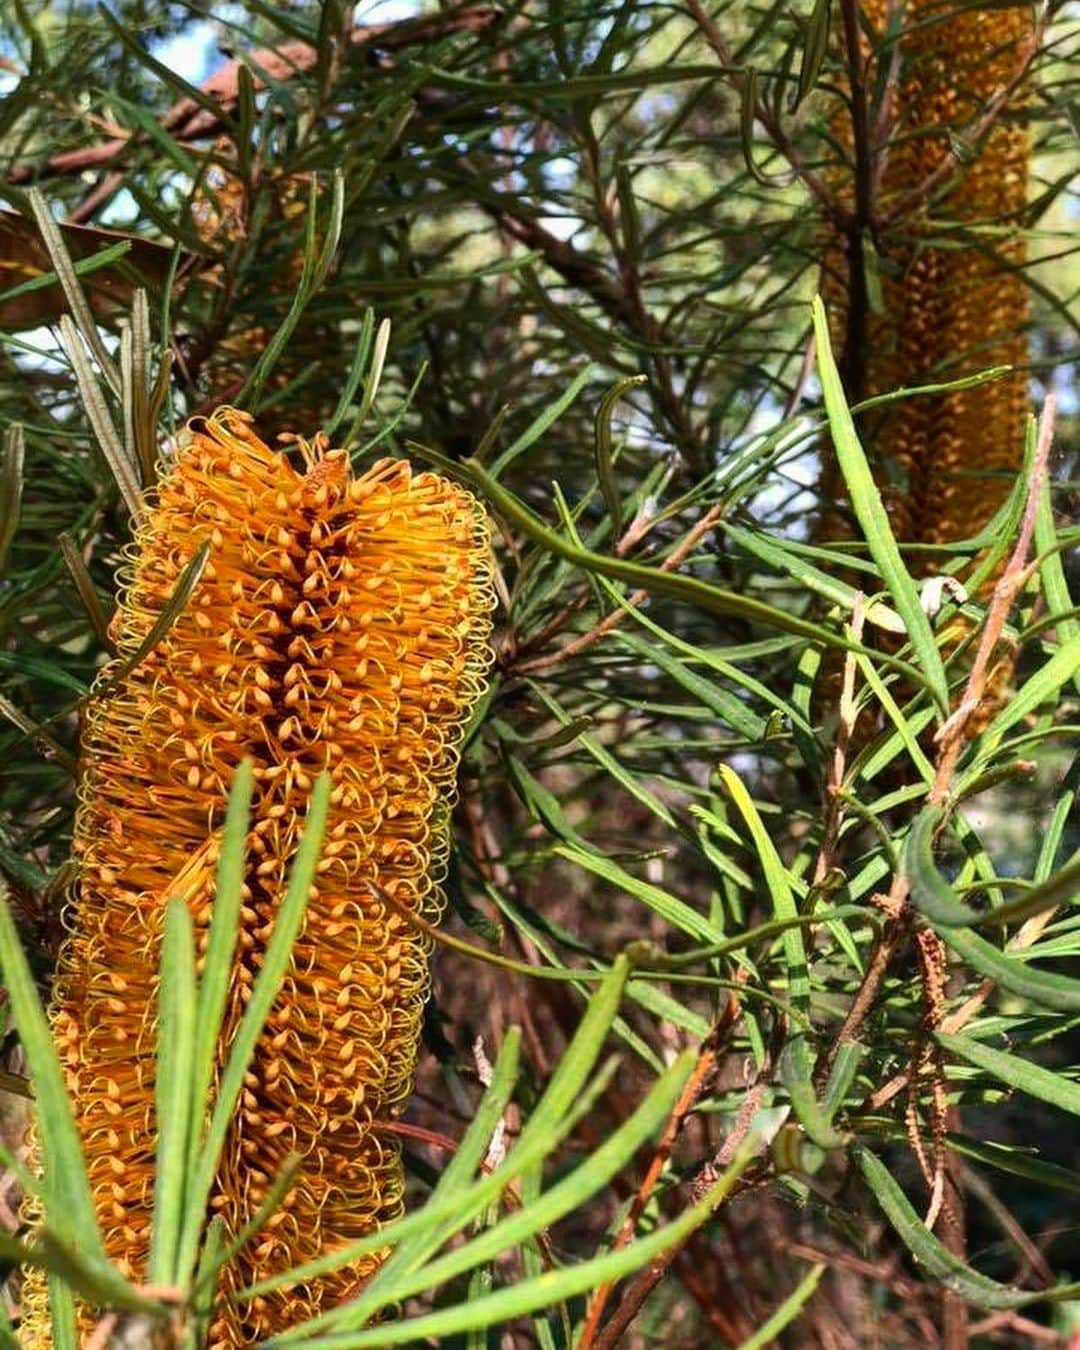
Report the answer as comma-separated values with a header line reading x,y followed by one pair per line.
x,y
584,226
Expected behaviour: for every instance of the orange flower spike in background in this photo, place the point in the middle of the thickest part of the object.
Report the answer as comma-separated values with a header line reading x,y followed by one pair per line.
x,y
953,299
340,623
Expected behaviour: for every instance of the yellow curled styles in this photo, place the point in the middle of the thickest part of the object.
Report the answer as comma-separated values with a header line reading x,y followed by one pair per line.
x,y
341,624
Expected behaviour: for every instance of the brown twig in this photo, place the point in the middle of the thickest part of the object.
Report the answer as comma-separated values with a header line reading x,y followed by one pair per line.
x,y
190,120
951,736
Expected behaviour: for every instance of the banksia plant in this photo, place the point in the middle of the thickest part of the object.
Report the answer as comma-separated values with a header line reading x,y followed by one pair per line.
x,y
262,223
948,186
340,624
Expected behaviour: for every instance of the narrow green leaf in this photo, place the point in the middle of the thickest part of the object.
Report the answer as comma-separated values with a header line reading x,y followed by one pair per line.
x,y
937,900
206,1276
708,598
1017,1161
316,267
276,959
88,594
1041,687
668,906
1021,1074
1062,888
176,1111
729,709
849,1056
525,1296
787,1311
566,1196
11,485
68,1201
63,1324
779,884
931,894
814,48
748,106
124,469
810,577
604,455
1043,988
542,1133
357,370
870,512
73,292
217,971
372,380
796,1067
186,583
539,425
42,670
1055,586
934,1257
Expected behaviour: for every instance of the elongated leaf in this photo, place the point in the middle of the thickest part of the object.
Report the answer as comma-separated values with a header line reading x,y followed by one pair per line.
x,y
538,1138
711,661
960,1279
817,41
779,884
811,577
176,1111
1055,586
668,906
316,266
68,1202
795,1071
217,971
729,709
456,1176
275,963
1060,889
60,258
605,758
849,1056
172,609
1021,1074
935,898
11,485
124,469
1043,988
787,1311
542,1291
605,462
931,894
1017,1161
1040,688
569,1194
711,599
539,425
870,512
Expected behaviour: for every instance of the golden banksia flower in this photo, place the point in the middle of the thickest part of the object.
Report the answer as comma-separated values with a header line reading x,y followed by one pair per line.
x,y
341,624
952,298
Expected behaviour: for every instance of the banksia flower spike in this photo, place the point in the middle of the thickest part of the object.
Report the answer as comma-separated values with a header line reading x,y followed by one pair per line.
x,y
341,623
952,300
